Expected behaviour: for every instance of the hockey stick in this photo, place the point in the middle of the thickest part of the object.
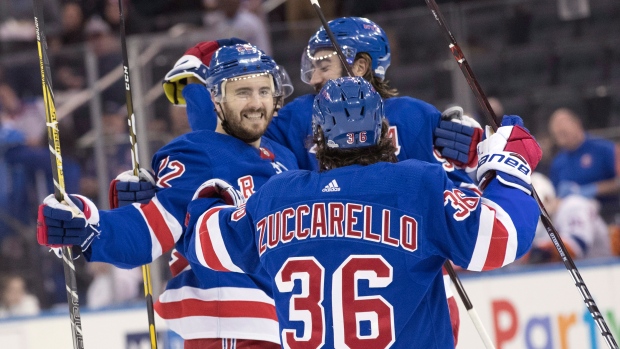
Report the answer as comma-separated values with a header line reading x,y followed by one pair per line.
x,y
473,314
546,220
455,278
146,269
319,12
53,138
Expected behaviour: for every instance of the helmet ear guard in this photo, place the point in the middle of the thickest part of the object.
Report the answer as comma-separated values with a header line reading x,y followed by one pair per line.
x,y
349,111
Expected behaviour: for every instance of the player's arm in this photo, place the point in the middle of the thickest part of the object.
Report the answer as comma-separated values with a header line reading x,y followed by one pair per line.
x,y
128,236
219,233
495,230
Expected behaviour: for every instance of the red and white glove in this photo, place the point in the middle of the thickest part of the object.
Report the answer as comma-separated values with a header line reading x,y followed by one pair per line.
x,y
219,188
510,155
127,189
194,63
75,223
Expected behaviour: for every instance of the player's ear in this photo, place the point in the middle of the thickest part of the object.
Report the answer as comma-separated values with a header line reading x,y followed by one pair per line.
x,y
360,66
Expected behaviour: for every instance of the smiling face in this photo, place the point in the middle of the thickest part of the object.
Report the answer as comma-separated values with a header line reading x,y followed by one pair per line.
x,y
328,68
247,108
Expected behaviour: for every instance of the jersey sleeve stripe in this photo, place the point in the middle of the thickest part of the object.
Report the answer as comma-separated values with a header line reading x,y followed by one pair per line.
x,y
198,327
210,247
220,293
216,308
177,263
496,244
163,227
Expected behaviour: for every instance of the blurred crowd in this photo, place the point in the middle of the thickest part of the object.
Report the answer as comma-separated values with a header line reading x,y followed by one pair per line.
x,y
579,180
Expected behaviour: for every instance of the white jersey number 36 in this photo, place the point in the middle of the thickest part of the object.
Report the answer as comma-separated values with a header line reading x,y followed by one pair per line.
x,y
349,309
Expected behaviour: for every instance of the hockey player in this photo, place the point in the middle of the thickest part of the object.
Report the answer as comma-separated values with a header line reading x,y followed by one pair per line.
x,y
354,250
208,309
415,125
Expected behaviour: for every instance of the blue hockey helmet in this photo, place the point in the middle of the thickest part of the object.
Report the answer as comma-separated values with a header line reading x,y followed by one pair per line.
x,y
354,35
349,111
238,62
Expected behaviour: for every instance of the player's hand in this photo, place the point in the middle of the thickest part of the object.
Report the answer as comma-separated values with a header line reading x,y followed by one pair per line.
x,y
511,154
457,137
219,188
75,223
566,188
127,189
193,64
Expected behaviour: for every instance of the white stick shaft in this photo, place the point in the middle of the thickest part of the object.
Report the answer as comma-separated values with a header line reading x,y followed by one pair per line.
x,y
486,339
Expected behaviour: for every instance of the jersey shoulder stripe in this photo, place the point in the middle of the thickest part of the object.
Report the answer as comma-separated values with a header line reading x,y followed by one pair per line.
x,y
210,248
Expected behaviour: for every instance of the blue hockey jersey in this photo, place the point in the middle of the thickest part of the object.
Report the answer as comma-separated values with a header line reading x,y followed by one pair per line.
x,y
354,253
206,304
412,123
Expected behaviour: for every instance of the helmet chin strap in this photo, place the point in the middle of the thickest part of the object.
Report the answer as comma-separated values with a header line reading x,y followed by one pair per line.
x,y
223,121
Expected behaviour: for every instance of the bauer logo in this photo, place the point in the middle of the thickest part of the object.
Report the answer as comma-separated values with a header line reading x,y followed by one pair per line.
x,y
510,159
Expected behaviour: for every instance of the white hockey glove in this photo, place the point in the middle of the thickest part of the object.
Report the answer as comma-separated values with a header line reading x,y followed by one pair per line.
x,y
194,63
75,223
176,79
511,154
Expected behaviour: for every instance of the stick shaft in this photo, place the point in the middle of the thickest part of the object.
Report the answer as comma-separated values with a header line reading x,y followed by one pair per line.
x,y
57,172
128,95
473,315
332,38
546,220
146,269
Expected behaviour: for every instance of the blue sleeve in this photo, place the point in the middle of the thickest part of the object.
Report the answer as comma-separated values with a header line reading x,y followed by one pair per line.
x,y
292,129
138,234
485,233
200,109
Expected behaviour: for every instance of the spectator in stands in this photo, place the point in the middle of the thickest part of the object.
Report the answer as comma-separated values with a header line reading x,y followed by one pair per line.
x,y
25,116
14,299
112,285
72,23
230,19
9,139
134,22
117,149
585,165
17,30
577,220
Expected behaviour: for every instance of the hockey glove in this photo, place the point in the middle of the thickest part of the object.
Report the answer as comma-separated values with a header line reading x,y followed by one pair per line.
x,y
566,188
76,223
457,137
127,189
218,188
510,154
194,63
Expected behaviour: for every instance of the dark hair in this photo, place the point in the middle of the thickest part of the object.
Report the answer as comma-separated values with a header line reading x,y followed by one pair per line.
x,y
382,86
330,158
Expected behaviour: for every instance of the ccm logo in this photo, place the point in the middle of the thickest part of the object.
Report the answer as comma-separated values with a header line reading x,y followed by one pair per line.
x,y
513,161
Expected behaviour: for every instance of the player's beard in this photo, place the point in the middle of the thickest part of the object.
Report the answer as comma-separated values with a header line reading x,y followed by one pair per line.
x,y
240,129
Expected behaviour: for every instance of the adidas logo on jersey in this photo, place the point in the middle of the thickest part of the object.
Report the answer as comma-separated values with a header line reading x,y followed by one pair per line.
x,y
332,186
